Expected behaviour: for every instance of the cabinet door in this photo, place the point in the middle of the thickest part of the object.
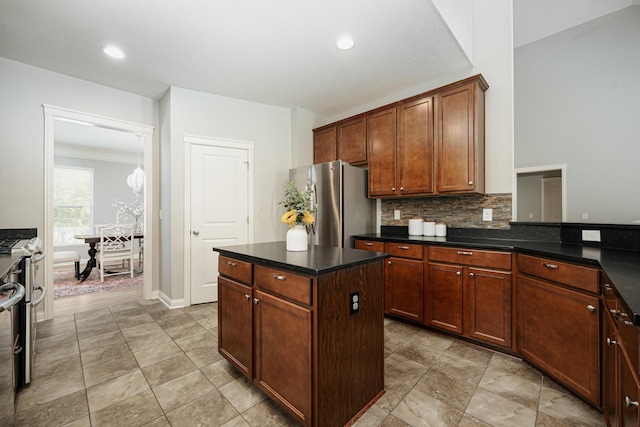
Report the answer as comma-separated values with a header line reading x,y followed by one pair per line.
x,y
381,144
489,306
404,289
559,332
610,399
628,393
352,141
457,145
283,353
444,297
235,324
415,147
324,145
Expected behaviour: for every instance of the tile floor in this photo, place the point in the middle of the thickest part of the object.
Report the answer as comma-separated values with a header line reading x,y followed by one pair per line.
x,y
141,364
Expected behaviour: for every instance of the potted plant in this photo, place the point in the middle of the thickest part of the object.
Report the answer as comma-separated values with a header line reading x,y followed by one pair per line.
x,y
299,214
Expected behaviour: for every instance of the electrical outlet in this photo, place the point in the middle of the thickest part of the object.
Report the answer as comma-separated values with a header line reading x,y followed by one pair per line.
x,y
591,235
396,214
585,216
487,214
354,302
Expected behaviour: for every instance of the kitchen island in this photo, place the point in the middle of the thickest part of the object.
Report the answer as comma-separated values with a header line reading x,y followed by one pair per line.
x,y
306,327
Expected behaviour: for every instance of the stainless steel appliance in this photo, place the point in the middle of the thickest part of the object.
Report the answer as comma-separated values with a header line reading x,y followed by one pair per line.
x,y
10,295
339,193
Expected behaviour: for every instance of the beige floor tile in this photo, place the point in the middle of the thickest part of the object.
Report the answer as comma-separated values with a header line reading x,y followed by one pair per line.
x,y
168,369
182,329
197,340
60,367
154,354
107,339
116,390
568,409
211,409
221,373
204,356
175,393
242,394
126,322
49,328
419,409
104,354
512,380
41,392
424,348
135,411
50,355
500,412
455,392
109,369
267,413
150,339
57,412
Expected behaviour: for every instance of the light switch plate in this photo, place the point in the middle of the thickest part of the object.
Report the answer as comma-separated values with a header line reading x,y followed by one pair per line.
x,y
591,235
487,214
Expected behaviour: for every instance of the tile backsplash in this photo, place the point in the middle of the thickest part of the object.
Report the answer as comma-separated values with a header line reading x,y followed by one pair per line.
x,y
456,211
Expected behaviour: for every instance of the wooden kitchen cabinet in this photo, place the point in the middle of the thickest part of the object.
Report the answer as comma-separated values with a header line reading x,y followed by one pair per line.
x,y
559,322
324,145
469,292
381,142
345,140
404,284
459,136
297,336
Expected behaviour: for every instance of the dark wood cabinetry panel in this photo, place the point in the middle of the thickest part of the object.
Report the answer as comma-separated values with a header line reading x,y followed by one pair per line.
x,y
610,382
489,306
235,324
559,331
404,288
445,297
352,141
381,143
324,145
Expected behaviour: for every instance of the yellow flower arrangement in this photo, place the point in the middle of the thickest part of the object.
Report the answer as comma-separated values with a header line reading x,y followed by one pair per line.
x,y
298,205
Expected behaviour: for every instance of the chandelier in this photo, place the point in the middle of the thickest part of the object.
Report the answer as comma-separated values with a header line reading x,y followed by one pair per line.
x,y
136,179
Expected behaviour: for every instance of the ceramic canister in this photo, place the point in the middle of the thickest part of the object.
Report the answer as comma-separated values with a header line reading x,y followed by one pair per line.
x,y
441,229
429,228
415,227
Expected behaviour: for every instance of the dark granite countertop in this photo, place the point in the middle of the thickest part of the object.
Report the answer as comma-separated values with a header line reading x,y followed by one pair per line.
x,y
317,260
622,267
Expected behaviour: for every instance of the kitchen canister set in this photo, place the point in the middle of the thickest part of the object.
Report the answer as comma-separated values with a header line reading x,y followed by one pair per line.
x,y
420,227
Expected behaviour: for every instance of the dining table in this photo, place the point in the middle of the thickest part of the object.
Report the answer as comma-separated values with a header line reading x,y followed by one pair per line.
x,y
92,240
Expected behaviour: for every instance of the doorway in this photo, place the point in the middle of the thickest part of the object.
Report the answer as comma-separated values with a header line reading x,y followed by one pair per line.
x,y
55,117
540,194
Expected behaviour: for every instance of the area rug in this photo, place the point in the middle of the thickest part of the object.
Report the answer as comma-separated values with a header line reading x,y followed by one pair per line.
x,y
66,285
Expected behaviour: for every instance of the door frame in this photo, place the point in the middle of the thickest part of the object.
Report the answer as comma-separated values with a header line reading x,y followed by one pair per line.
x,y
541,169
190,140
50,115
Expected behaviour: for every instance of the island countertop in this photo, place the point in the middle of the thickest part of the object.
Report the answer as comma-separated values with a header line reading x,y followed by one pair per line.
x,y
316,260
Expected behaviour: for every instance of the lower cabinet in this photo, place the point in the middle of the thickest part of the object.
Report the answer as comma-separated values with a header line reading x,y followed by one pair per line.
x,y
559,326
300,340
404,284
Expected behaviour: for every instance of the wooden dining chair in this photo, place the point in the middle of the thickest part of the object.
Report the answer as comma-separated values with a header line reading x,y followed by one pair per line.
x,y
116,245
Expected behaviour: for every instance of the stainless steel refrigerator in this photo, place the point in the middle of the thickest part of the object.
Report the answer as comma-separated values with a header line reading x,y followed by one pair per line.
x,y
339,193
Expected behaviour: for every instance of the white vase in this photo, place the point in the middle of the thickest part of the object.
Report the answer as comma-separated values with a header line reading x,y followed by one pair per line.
x,y
297,238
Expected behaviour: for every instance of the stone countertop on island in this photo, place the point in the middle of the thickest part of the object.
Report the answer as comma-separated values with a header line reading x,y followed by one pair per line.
x,y
316,260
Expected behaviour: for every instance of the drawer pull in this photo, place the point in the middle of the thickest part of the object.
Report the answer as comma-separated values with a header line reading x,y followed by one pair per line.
x,y
472,275
611,342
247,297
467,253
458,274
403,247
591,308
278,277
256,300
629,403
551,266
368,244
232,264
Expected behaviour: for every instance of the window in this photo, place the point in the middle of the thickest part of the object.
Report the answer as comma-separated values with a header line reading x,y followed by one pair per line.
x,y
72,203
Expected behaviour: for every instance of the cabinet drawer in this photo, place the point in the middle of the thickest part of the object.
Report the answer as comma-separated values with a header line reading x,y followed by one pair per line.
x,y
474,257
284,283
404,250
235,269
370,245
577,276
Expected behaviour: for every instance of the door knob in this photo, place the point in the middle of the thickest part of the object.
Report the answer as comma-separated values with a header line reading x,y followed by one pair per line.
x,y
196,232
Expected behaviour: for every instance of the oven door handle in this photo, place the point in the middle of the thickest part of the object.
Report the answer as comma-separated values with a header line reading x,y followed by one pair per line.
x,y
37,301
39,257
13,300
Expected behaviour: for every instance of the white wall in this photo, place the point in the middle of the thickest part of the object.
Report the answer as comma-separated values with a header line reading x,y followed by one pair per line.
x,y
23,91
493,58
576,96
268,127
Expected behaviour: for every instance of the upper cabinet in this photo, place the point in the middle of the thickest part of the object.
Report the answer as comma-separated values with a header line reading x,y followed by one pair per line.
x,y
429,144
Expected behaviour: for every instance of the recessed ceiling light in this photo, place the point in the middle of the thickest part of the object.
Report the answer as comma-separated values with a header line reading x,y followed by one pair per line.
x,y
345,43
112,51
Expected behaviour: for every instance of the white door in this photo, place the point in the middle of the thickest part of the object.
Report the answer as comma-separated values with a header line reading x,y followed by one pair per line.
x,y
552,199
219,212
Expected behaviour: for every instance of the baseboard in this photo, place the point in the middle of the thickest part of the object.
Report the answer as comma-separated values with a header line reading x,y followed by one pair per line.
x,y
177,303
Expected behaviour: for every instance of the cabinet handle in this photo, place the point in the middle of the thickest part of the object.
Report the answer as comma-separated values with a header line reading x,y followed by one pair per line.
x,y
247,297
232,264
401,188
551,266
470,182
467,253
591,308
458,274
393,188
472,275
629,403
606,286
368,244
277,277
611,342
619,315
389,262
256,300
406,248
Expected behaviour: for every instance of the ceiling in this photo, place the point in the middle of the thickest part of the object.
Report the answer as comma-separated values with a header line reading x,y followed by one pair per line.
x,y
277,52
